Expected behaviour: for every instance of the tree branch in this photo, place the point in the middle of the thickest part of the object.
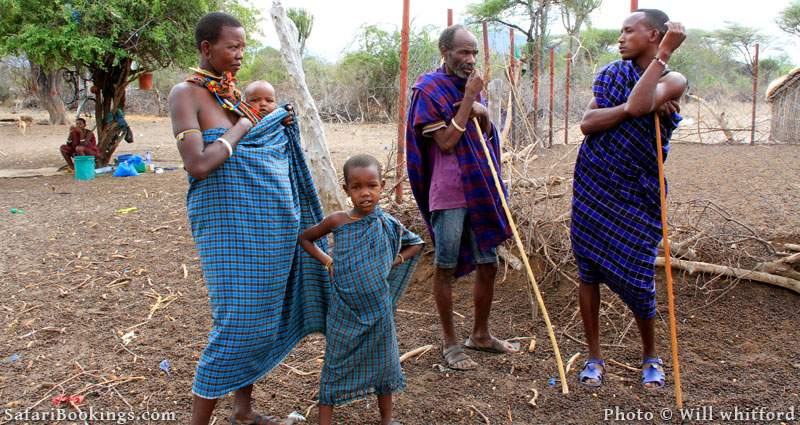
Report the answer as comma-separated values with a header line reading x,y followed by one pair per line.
x,y
510,25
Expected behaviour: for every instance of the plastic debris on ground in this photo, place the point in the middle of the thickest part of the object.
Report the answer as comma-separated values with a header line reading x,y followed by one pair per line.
x,y
442,369
164,366
128,337
67,399
127,210
294,417
126,169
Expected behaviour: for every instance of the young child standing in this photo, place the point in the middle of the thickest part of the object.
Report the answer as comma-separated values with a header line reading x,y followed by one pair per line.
x,y
373,259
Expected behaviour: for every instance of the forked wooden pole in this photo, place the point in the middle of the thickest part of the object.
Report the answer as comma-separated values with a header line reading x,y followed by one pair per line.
x,y
673,327
531,278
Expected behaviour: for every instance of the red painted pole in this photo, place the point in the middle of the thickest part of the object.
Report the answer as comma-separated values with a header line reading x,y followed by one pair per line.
x,y
487,70
755,93
449,17
511,59
634,5
566,100
552,94
536,63
401,106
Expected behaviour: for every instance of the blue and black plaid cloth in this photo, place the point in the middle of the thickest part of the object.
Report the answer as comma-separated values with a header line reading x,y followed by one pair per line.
x,y
616,210
266,292
432,99
362,357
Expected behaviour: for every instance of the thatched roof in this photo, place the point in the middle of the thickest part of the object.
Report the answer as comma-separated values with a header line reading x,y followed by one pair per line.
x,y
778,85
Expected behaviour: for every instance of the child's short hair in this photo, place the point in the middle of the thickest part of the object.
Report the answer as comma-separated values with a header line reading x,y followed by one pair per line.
x,y
361,161
250,87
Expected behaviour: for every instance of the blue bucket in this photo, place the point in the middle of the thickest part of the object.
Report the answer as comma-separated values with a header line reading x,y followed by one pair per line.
x,y
84,167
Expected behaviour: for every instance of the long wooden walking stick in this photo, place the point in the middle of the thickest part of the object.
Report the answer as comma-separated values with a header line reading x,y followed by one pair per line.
x,y
531,278
673,327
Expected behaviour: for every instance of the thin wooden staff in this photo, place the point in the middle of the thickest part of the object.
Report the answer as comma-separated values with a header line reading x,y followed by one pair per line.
x,y
531,278
673,327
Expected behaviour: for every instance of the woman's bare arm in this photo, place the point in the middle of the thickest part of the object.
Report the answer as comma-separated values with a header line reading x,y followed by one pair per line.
x,y
200,159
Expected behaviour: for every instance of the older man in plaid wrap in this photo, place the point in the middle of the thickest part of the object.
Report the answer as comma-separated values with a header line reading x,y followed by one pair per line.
x,y
452,183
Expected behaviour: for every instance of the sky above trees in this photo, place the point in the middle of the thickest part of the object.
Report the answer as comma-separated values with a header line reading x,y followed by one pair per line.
x,y
336,23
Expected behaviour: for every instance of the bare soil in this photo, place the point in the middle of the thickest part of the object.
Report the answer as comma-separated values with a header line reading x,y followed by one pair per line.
x,y
76,276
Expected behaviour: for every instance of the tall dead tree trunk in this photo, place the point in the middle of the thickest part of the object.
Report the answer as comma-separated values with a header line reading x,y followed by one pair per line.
x,y
311,130
48,85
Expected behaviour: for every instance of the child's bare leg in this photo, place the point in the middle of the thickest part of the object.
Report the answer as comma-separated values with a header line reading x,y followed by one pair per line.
x,y
385,407
325,414
202,408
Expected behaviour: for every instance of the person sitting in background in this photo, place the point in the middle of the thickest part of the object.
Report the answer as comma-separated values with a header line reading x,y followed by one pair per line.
x,y
81,142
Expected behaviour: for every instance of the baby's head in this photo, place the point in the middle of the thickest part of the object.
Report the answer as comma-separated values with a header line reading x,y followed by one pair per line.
x,y
363,181
261,95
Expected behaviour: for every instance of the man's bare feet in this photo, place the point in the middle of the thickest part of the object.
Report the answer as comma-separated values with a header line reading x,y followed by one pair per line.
x,y
490,344
456,359
253,418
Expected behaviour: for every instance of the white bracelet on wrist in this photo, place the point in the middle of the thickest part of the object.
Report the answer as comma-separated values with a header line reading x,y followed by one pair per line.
x,y
227,146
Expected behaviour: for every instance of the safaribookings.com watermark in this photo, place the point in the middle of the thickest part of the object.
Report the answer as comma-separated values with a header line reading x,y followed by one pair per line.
x,y
90,415
704,414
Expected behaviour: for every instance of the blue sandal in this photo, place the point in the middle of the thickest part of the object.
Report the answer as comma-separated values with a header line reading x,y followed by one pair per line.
x,y
593,369
653,373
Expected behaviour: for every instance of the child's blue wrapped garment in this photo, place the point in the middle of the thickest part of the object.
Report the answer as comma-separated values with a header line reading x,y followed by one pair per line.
x,y
362,355
616,209
266,292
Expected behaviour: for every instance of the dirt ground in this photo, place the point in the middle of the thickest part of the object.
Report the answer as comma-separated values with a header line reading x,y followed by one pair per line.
x,y
76,276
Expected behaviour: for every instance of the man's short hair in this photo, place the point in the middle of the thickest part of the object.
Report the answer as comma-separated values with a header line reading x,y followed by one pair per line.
x,y
448,35
656,19
361,161
210,26
80,119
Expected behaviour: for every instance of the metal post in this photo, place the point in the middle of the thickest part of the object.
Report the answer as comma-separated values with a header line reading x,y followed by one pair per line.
x,y
634,5
755,94
552,94
511,59
536,66
401,105
449,17
566,100
487,71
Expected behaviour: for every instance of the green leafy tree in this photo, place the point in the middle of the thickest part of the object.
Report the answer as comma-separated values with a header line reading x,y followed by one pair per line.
x,y
115,40
742,40
373,66
789,19
304,21
574,13
530,17
597,44
265,64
